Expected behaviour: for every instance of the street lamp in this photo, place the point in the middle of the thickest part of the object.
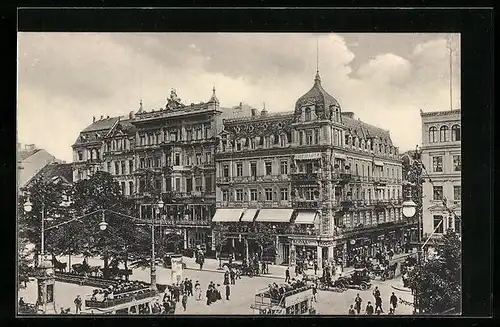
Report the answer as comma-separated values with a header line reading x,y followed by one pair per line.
x,y
159,206
28,206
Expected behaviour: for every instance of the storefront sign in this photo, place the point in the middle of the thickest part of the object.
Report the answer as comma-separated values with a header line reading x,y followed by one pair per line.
x,y
305,242
326,243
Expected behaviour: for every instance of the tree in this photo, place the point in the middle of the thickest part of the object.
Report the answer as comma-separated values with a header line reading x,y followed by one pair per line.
x,y
437,282
24,262
102,192
46,197
265,237
220,238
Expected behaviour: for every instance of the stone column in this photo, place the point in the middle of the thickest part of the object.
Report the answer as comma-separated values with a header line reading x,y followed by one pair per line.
x,y
330,252
185,238
292,255
344,254
319,256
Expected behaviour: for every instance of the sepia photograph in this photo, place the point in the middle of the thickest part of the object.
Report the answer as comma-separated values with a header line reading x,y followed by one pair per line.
x,y
239,174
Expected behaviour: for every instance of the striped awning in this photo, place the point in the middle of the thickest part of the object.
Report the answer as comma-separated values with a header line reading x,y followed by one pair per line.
x,y
227,215
306,217
308,156
274,215
378,163
249,215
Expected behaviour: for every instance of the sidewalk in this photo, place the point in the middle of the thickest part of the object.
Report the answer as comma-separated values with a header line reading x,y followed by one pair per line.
x,y
398,285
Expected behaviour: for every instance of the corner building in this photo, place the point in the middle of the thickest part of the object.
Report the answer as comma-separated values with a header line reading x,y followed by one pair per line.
x,y
441,155
328,184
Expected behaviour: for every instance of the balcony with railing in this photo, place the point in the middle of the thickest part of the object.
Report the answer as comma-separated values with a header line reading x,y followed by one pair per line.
x,y
380,181
185,222
306,177
224,180
309,230
299,203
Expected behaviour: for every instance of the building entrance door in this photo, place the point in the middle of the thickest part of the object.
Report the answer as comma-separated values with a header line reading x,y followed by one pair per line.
x,y
286,253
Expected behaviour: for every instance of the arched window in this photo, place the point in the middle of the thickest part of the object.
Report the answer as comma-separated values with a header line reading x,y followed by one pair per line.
x,y
432,134
443,133
308,114
455,133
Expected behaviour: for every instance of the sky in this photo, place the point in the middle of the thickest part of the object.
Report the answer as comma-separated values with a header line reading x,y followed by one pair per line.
x,y
64,79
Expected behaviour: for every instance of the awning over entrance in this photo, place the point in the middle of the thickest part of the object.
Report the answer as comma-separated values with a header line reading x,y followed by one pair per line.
x,y
378,163
340,156
249,215
306,217
227,215
274,215
308,156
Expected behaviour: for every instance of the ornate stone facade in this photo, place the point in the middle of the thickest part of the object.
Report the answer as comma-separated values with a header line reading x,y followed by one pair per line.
x,y
313,159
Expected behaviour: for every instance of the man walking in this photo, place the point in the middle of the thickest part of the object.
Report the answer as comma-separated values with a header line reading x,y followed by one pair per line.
x,y
357,303
287,274
228,291
376,292
78,304
378,304
315,267
393,301
315,291
184,300
232,276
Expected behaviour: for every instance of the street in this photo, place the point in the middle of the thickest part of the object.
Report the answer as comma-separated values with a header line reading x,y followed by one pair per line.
x,y
242,294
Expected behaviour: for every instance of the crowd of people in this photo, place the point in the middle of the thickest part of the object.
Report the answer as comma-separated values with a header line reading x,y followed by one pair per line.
x,y
276,292
121,290
355,309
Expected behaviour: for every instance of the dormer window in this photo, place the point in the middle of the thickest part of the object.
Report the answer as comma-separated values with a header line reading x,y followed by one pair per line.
x,y
307,116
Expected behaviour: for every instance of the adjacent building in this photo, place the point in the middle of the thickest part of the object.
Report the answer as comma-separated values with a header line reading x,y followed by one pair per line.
x,y
327,183
441,155
31,161
165,154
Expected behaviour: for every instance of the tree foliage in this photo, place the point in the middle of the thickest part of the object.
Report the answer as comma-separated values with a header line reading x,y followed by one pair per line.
x,y
265,236
47,198
437,282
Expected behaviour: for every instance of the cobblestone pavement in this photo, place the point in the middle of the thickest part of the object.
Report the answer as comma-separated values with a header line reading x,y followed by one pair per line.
x,y
242,294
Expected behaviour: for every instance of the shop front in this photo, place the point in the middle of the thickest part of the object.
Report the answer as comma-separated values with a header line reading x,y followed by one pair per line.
x,y
310,250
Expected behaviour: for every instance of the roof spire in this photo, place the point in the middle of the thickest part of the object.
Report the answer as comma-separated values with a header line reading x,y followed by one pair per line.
x,y
214,97
317,79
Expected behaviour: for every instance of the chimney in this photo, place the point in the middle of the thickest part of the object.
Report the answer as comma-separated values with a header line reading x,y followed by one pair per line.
x,y
102,117
241,104
107,117
93,119
254,112
348,114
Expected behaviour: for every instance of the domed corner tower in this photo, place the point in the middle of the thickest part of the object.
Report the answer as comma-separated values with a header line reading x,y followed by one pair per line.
x,y
317,104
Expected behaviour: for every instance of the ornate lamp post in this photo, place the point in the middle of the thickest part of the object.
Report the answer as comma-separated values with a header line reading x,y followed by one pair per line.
x,y
45,275
159,206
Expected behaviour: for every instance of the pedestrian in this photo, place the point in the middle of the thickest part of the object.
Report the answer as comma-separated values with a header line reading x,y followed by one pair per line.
x,y
369,309
226,278
21,302
232,276
315,291
357,303
184,300
209,295
190,287
378,304
393,301
217,293
315,267
197,289
287,274
296,270
376,292
228,291
63,311
78,304
351,311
